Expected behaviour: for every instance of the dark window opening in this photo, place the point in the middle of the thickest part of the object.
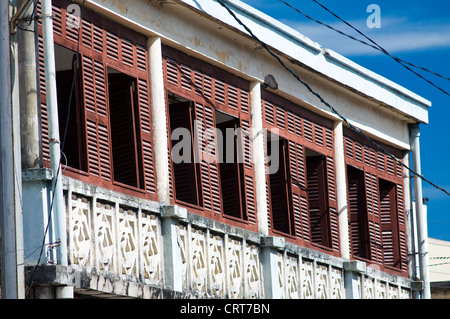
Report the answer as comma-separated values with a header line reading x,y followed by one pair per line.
x,y
231,167
123,114
389,223
357,208
186,170
70,117
319,216
280,198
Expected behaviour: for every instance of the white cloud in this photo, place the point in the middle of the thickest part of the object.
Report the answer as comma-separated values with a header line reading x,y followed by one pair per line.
x,y
395,35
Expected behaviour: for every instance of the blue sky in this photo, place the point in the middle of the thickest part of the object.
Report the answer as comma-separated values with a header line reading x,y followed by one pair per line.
x,y
415,31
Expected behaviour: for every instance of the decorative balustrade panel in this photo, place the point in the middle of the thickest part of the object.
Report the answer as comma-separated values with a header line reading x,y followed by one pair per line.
x,y
113,237
375,288
218,265
307,279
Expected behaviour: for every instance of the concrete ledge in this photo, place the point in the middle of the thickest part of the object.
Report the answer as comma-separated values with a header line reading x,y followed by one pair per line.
x,y
273,242
355,266
173,211
53,275
39,174
417,285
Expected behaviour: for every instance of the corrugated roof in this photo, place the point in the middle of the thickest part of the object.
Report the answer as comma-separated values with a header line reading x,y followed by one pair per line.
x,y
439,260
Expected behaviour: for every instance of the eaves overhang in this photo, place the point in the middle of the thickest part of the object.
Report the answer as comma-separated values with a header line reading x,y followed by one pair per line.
x,y
294,46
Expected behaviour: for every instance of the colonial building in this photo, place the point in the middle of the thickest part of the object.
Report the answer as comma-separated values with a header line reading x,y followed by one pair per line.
x,y
193,164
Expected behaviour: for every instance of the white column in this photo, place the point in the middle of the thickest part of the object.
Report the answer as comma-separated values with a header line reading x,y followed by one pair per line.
x,y
421,214
341,188
269,259
159,120
258,157
58,227
173,277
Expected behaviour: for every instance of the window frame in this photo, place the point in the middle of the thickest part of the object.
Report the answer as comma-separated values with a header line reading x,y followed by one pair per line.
x,y
303,130
212,89
95,56
379,166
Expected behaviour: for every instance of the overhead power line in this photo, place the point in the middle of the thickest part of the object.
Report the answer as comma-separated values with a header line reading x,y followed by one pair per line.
x,y
322,100
372,44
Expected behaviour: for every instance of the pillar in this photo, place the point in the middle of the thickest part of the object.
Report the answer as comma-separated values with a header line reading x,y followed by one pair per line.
x,y
341,189
159,119
259,157
269,260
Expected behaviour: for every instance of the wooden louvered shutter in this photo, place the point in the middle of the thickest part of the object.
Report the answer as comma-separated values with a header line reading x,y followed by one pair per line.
x,y
389,226
250,199
372,196
332,203
145,128
97,121
279,191
231,172
185,175
44,112
124,138
298,189
318,200
209,158
74,149
357,208
402,228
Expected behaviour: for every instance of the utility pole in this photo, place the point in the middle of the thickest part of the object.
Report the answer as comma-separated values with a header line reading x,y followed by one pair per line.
x,y
12,253
58,229
421,215
28,90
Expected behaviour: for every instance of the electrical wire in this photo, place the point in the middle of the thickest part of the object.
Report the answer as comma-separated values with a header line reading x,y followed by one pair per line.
x,y
374,45
322,100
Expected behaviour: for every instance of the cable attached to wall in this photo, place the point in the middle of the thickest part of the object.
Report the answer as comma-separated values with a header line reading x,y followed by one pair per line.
x,y
322,100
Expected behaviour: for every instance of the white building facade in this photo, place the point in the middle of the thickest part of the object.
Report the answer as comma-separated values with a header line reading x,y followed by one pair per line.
x,y
336,220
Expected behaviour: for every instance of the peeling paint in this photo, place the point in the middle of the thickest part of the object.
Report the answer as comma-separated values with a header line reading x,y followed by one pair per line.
x,y
121,5
196,41
222,56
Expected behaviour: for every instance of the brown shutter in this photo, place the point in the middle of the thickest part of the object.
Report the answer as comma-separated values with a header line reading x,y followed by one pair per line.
x,y
209,159
44,112
250,199
332,203
376,244
146,135
357,208
232,179
97,122
389,226
298,187
186,178
402,228
279,191
317,200
124,138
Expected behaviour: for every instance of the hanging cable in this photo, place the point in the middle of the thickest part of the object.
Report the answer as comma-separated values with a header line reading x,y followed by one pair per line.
x,y
374,45
333,110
